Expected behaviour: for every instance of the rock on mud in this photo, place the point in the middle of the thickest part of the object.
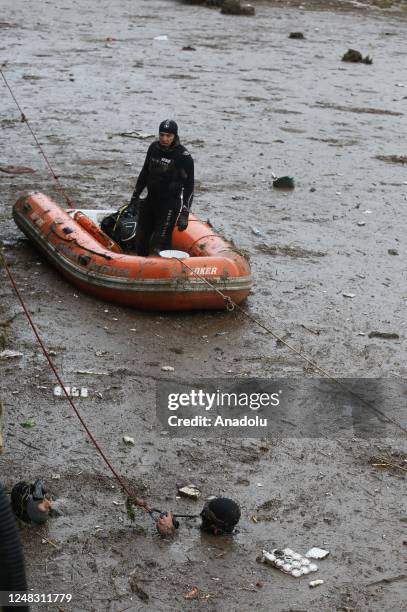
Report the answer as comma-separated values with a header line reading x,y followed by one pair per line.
x,y
233,7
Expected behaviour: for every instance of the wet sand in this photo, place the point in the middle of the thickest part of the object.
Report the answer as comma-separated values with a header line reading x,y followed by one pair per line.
x,y
249,101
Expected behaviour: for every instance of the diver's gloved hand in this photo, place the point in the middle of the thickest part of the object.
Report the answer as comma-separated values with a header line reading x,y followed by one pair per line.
x,y
182,222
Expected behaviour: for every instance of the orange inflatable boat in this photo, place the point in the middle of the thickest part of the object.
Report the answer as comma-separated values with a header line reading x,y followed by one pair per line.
x,y
74,243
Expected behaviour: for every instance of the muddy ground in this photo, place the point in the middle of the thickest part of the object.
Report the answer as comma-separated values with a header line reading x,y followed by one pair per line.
x,y
249,101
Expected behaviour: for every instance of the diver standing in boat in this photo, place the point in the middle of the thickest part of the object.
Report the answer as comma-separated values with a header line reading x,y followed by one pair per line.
x,y
168,174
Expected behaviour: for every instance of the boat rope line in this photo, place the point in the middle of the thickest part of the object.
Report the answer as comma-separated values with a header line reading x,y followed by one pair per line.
x,y
130,495
25,120
231,305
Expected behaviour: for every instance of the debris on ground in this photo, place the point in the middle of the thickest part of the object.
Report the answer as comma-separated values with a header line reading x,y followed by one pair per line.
x,y
385,335
284,182
352,55
167,368
71,391
135,134
298,35
393,159
256,231
128,440
388,459
234,7
27,424
316,553
315,583
288,561
10,354
192,594
91,373
16,170
268,510
190,491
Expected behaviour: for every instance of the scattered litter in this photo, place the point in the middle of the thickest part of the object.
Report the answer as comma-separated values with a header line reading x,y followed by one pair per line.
x,y
92,372
100,353
313,331
128,440
400,85
386,335
299,35
16,170
71,391
56,476
188,48
352,55
288,561
256,231
315,583
317,553
392,252
190,491
349,295
259,484
361,223
161,37
394,159
284,182
192,594
136,134
10,354
27,424
233,7
167,368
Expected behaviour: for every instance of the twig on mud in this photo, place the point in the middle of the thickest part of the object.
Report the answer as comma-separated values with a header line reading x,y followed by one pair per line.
x,y
316,332
387,464
49,542
30,445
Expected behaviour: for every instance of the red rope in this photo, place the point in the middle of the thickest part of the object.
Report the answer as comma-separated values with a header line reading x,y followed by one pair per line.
x,y
137,502
25,120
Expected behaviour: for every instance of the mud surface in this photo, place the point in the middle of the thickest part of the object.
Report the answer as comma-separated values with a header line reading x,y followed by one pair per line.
x,y
249,101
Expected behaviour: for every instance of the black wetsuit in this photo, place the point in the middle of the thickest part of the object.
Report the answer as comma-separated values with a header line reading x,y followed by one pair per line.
x,y
168,174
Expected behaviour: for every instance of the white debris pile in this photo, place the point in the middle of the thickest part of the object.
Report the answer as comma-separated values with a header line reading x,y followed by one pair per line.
x,y
288,561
